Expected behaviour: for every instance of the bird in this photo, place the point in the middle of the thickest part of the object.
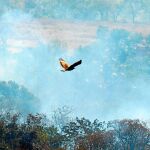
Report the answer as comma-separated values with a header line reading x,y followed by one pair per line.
x,y
68,67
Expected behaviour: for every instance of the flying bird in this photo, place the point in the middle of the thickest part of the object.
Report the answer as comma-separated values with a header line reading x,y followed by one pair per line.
x,y
68,67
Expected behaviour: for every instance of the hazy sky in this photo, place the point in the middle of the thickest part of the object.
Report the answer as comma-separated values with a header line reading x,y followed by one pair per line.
x,y
29,53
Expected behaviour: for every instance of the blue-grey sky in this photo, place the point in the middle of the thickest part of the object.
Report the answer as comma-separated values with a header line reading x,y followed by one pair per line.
x,y
99,88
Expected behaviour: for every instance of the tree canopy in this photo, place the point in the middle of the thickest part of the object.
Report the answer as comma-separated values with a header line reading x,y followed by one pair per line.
x,y
116,10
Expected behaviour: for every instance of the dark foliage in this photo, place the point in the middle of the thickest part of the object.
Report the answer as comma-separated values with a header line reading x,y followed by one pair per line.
x,y
37,133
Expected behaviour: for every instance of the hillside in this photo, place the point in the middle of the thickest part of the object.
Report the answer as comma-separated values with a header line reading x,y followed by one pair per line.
x,y
16,98
24,34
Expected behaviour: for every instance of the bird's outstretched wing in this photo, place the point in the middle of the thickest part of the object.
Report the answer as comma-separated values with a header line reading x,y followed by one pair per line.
x,y
76,63
64,64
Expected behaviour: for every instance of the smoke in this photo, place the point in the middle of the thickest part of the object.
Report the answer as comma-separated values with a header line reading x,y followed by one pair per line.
x,y
108,84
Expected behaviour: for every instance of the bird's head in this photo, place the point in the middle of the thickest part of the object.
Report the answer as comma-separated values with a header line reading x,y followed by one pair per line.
x,y
60,59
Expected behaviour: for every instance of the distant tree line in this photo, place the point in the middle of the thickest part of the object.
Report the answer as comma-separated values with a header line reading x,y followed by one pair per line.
x,y
37,132
122,52
16,97
105,10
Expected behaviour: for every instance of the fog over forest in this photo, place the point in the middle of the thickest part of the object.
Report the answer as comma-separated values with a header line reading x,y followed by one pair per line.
x,y
103,104
111,37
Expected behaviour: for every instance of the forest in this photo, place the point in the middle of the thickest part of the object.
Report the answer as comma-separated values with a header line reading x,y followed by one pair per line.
x,y
104,10
20,130
37,132
117,86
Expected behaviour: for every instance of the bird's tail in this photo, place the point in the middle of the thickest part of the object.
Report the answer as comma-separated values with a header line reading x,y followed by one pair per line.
x,y
62,70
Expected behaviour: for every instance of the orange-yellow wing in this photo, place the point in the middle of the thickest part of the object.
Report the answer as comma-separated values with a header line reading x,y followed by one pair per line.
x,y
64,64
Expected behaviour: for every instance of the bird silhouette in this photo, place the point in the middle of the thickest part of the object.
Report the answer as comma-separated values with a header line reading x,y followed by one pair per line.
x,y
68,67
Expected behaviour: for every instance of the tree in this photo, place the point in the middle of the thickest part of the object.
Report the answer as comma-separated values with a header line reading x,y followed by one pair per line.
x,y
101,140
76,130
116,7
131,134
61,116
16,98
146,8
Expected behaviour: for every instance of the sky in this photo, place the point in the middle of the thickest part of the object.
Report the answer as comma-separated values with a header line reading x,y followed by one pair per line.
x,y
29,52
